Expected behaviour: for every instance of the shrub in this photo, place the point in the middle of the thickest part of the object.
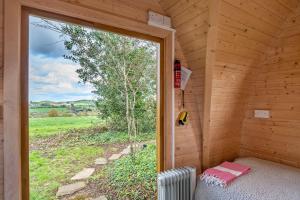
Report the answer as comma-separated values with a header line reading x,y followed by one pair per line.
x,y
53,113
134,177
65,114
82,113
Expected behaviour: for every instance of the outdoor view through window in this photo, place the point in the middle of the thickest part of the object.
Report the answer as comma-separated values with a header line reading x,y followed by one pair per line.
x,y
92,113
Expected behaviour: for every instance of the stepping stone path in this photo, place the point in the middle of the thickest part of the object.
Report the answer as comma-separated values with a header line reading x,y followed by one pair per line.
x,y
87,172
101,161
84,174
115,156
70,189
101,198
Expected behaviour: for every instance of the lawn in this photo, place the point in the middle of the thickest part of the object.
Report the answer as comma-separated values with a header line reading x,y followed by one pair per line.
x,y
57,154
47,126
50,169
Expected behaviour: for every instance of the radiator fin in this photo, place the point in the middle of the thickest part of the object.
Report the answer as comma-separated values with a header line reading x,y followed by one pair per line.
x,y
177,184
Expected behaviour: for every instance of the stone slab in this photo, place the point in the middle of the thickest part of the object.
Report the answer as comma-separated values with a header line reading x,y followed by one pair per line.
x,y
100,198
84,174
126,151
115,156
70,189
101,161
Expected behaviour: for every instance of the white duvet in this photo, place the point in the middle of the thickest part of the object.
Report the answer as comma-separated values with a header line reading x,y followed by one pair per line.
x,y
266,181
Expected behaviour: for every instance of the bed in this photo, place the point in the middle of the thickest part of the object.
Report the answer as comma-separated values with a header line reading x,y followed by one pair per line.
x,y
266,181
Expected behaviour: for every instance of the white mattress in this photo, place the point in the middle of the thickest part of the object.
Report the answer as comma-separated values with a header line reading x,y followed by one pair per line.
x,y
266,181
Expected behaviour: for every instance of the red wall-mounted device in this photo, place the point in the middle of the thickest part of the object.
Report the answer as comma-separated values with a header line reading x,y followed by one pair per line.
x,y
177,74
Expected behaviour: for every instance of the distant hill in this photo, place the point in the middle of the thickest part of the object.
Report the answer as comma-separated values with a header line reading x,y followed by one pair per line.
x,y
82,102
64,108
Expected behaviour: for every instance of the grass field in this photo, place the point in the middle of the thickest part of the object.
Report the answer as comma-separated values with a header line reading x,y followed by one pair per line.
x,y
47,126
51,168
47,109
57,154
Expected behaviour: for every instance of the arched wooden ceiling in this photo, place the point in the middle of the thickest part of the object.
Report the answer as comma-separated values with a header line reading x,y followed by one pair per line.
x,y
244,33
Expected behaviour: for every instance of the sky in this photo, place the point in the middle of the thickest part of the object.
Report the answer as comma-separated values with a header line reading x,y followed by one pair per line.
x,y
51,77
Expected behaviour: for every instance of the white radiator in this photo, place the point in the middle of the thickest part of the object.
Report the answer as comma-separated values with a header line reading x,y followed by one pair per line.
x,y
177,184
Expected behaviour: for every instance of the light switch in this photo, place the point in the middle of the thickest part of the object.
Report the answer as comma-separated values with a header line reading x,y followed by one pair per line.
x,y
265,114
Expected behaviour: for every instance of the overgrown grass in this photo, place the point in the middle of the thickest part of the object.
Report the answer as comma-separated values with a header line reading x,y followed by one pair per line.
x,y
113,137
133,177
50,169
47,126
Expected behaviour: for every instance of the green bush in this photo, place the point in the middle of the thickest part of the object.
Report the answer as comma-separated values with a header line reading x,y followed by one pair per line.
x,y
134,177
53,113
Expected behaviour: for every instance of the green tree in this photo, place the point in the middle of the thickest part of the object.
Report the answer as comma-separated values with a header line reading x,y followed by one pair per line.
x,y
123,72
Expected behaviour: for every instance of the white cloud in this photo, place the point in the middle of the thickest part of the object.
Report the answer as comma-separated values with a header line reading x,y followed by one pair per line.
x,y
56,72
56,76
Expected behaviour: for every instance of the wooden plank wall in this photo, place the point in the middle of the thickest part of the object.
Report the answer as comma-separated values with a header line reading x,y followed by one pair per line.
x,y
276,87
1,99
247,30
136,10
190,21
187,138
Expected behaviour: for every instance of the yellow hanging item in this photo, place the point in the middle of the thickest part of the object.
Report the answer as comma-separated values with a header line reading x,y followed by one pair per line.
x,y
182,118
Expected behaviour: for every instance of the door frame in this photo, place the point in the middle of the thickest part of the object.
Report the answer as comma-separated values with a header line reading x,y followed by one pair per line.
x,y
16,140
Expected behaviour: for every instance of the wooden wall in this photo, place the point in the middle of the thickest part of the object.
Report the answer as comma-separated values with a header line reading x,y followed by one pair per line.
x,y
245,31
277,88
187,138
190,21
136,10
1,99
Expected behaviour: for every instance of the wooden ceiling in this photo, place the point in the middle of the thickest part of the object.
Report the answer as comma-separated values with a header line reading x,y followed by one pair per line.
x,y
245,33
